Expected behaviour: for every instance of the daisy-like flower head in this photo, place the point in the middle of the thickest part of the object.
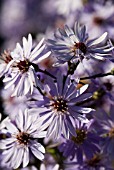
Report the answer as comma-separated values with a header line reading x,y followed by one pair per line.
x,y
25,60
99,161
61,107
69,45
24,133
84,144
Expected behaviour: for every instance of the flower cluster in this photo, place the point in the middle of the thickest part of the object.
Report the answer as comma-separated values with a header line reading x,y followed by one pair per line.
x,y
57,104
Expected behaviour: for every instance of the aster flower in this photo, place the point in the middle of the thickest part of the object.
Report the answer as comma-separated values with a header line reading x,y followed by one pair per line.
x,y
86,143
23,75
42,167
60,107
23,135
97,162
105,128
69,45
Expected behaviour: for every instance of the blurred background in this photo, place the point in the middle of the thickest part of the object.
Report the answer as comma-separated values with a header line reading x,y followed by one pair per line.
x,y
41,17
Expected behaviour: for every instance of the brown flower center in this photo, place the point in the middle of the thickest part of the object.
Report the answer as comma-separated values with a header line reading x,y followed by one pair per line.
x,y
81,136
23,65
80,46
98,20
23,138
60,105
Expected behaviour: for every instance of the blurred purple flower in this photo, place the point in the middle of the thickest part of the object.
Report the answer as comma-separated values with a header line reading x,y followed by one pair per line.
x,y
86,143
97,162
98,18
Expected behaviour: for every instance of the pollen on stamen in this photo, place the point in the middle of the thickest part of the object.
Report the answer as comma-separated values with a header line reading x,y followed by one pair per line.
x,y
60,105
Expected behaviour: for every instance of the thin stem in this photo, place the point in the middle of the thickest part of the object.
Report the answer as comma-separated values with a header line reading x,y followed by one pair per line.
x,y
41,92
47,73
96,76
37,69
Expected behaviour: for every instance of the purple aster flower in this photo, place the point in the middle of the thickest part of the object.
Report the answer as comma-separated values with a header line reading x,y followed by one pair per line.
x,y
61,107
97,162
105,128
23,135
84,143
23,75
69,45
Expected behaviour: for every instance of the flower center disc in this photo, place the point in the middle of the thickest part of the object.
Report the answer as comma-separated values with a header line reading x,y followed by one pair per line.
x,y
81,135
23,65
80,46
23,138
60,105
